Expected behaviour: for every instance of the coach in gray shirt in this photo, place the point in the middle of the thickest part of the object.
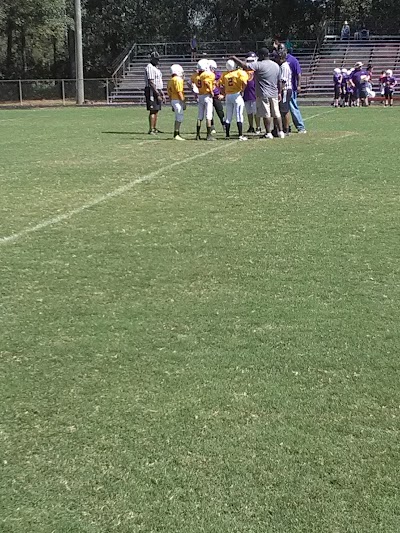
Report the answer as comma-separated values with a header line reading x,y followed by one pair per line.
x,y
267,78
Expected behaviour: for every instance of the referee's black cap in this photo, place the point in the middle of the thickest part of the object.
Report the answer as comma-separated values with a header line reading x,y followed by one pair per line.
x,y
263,53
155,57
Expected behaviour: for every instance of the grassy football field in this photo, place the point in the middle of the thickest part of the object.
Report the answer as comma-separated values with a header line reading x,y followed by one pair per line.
x,y
199,337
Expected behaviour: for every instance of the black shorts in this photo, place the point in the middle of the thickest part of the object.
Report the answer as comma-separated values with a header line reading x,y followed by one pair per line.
x,y
284,105
337,91
153,103
388,92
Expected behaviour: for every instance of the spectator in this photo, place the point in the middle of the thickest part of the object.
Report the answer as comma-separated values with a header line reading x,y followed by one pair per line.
x,y
153,91
193,47
364,34
289,45
345,33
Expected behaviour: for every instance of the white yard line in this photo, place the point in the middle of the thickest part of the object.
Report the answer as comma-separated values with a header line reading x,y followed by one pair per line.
x,y
103,198
319,114
346,134
120,190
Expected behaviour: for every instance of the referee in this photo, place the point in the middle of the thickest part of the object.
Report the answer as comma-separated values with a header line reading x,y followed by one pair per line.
x,y
153,91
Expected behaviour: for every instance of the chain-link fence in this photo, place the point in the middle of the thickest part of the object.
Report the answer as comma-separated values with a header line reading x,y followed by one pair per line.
x,y
54,92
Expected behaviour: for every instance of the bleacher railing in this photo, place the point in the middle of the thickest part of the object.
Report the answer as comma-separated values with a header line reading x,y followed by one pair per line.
x,y
359,30
122,63
142,51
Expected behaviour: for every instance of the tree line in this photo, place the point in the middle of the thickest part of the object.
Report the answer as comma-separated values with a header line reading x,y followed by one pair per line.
x,y
37,36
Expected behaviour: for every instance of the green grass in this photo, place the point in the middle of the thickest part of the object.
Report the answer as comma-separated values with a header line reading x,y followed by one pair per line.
x,y
214,350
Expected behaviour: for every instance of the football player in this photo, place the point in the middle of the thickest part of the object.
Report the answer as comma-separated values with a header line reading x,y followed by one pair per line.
x,y
344,95
249,97
233,83
177,98
389,82
217,96
337,83
204,80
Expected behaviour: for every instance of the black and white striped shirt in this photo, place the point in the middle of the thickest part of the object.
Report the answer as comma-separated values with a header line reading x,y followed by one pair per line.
x,y
153,74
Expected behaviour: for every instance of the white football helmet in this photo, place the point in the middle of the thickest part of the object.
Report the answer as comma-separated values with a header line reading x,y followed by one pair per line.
x,y
212,64
203,65
177,70
337,70
344,70
389,72
230,65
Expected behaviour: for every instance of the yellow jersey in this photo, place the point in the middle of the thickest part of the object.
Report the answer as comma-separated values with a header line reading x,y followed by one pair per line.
x,y
174,87
234,81
205,82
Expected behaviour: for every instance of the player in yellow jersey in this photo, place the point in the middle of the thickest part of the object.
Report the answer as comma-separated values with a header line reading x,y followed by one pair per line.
x,y
177,98
233,83
204,80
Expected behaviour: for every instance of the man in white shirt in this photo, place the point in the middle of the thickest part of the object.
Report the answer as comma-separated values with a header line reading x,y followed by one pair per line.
x,y
286,88
153,91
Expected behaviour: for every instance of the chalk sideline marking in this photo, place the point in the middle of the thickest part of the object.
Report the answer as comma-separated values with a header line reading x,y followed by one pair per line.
x,y
117,192
103,198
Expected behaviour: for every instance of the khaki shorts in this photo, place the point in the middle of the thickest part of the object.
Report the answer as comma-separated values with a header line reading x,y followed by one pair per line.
x,y
268,107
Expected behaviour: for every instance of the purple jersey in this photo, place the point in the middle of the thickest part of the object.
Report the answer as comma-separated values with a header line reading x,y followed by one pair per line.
x,y
296,70
356,78
249,93
337,79
389,81
218,75
345,79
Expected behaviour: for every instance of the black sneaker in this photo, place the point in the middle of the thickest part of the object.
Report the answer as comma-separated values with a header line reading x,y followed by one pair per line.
x,y
251,130
153,132
211,138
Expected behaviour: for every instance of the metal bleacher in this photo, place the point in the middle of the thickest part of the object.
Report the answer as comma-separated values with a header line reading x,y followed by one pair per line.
x,y
380,52
317,59
129,76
